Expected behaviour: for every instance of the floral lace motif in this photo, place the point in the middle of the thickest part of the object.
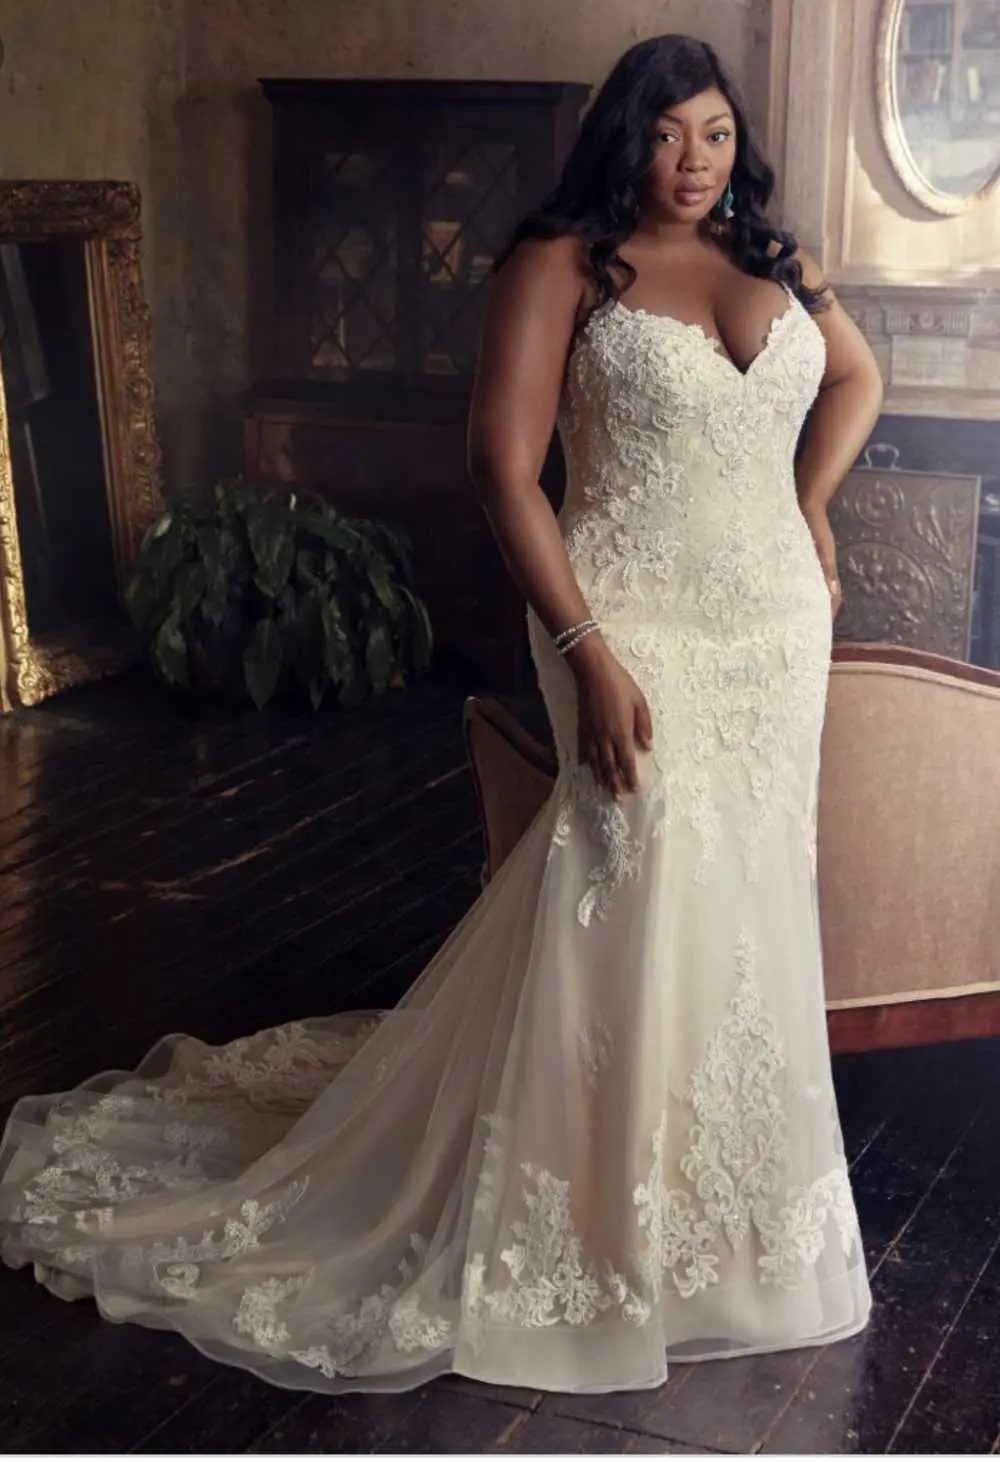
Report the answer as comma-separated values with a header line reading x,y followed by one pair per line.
x,y
595,1046
487,1195
85,1183
177,1267
273,1070
344,1344
549,1281
608,828
683,527
737,1155
736,1159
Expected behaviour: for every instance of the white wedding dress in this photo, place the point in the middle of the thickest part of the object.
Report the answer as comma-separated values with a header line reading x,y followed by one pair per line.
x,y
600,1132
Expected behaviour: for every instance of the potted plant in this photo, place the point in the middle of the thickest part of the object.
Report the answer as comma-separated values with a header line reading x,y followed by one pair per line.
x,y
259,596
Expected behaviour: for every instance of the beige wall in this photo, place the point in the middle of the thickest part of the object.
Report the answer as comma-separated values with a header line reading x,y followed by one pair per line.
x,y
843,193
233,42
923,286
92,89
163,92
884,231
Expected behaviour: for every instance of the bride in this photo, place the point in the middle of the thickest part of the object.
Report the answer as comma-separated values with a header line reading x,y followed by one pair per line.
x,y
600,1131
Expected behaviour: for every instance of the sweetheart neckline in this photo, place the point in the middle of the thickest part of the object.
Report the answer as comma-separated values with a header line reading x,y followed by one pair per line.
x,y
716,345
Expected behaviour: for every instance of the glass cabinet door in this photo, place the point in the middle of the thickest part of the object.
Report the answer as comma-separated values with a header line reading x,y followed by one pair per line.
x,y
352,249
468,206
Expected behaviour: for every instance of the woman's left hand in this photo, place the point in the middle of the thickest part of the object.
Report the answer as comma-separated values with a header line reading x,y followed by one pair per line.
x,y
826,551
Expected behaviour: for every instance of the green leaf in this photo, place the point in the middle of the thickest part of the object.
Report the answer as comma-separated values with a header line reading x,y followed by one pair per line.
x,y
169,651
272,544
216,597
232,550
309,568
234,495
141,601
161,552
279,585
379,659
385,591
423,633
308,612
398,541
189,586
156,529
336,648
317,504
227,568
262,662
332,531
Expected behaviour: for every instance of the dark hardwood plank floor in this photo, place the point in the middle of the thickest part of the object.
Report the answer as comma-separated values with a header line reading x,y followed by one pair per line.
x,y
163,870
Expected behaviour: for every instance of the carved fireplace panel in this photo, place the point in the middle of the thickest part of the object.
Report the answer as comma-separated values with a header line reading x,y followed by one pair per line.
x,y
79,460
907,556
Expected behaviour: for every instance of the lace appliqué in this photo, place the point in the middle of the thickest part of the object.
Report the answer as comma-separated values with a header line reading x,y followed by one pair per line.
x,y
550,1283
739,719
487,1194
177,1267
348,1342
737,1155
795,1236
276,1069
736,1158
595,1045
84,1183
683,528
608,828
632,552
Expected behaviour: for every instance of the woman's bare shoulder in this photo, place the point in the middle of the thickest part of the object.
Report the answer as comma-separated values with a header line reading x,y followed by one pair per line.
x,y
812,275
558,264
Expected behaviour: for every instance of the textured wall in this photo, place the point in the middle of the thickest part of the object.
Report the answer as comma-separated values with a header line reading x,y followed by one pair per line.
x,y
92,89
163,92
233,42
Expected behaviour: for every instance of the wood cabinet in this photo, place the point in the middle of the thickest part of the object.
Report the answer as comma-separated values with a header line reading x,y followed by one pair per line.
x,y
391,201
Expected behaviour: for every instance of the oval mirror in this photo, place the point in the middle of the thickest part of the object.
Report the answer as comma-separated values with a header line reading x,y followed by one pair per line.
x,y
938,80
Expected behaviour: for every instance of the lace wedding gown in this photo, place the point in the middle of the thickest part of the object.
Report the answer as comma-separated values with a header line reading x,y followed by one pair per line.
x,y
600,1131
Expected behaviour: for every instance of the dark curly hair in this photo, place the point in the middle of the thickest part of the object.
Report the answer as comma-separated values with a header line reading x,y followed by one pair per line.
x,y
598,196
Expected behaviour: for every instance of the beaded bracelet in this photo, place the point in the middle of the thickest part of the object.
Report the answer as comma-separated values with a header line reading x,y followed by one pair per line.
x,y
580,633
567,634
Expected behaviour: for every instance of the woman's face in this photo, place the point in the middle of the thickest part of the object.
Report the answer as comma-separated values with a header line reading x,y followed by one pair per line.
x,y
694,153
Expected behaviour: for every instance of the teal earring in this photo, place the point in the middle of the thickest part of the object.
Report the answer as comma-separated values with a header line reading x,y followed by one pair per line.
x,y
723,210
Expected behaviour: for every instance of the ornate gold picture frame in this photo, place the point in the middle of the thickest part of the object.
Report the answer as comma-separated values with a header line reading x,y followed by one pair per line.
x,y
104,218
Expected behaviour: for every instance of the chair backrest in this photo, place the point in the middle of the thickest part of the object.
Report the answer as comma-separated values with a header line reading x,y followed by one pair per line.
x,y
909,821
512,772
909,827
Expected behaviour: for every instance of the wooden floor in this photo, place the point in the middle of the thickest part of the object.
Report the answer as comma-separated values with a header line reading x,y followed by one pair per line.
x,y
161,872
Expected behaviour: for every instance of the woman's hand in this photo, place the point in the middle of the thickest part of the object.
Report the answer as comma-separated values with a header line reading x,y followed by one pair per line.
x,y
826,551
614,721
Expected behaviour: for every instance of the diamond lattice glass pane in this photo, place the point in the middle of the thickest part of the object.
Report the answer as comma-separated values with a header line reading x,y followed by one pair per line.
x,y
470,206
353,265
349,336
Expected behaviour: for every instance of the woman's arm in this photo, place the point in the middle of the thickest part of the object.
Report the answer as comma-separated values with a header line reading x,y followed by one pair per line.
x,y
841,421
533,310
530,319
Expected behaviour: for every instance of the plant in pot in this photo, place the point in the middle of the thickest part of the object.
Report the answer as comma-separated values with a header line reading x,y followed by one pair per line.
x,y
263,596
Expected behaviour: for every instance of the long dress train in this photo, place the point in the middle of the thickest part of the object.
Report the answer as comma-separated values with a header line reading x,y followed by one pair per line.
x,y
600,1130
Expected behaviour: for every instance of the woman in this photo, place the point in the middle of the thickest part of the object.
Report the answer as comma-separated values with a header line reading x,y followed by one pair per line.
x,y
600,1131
